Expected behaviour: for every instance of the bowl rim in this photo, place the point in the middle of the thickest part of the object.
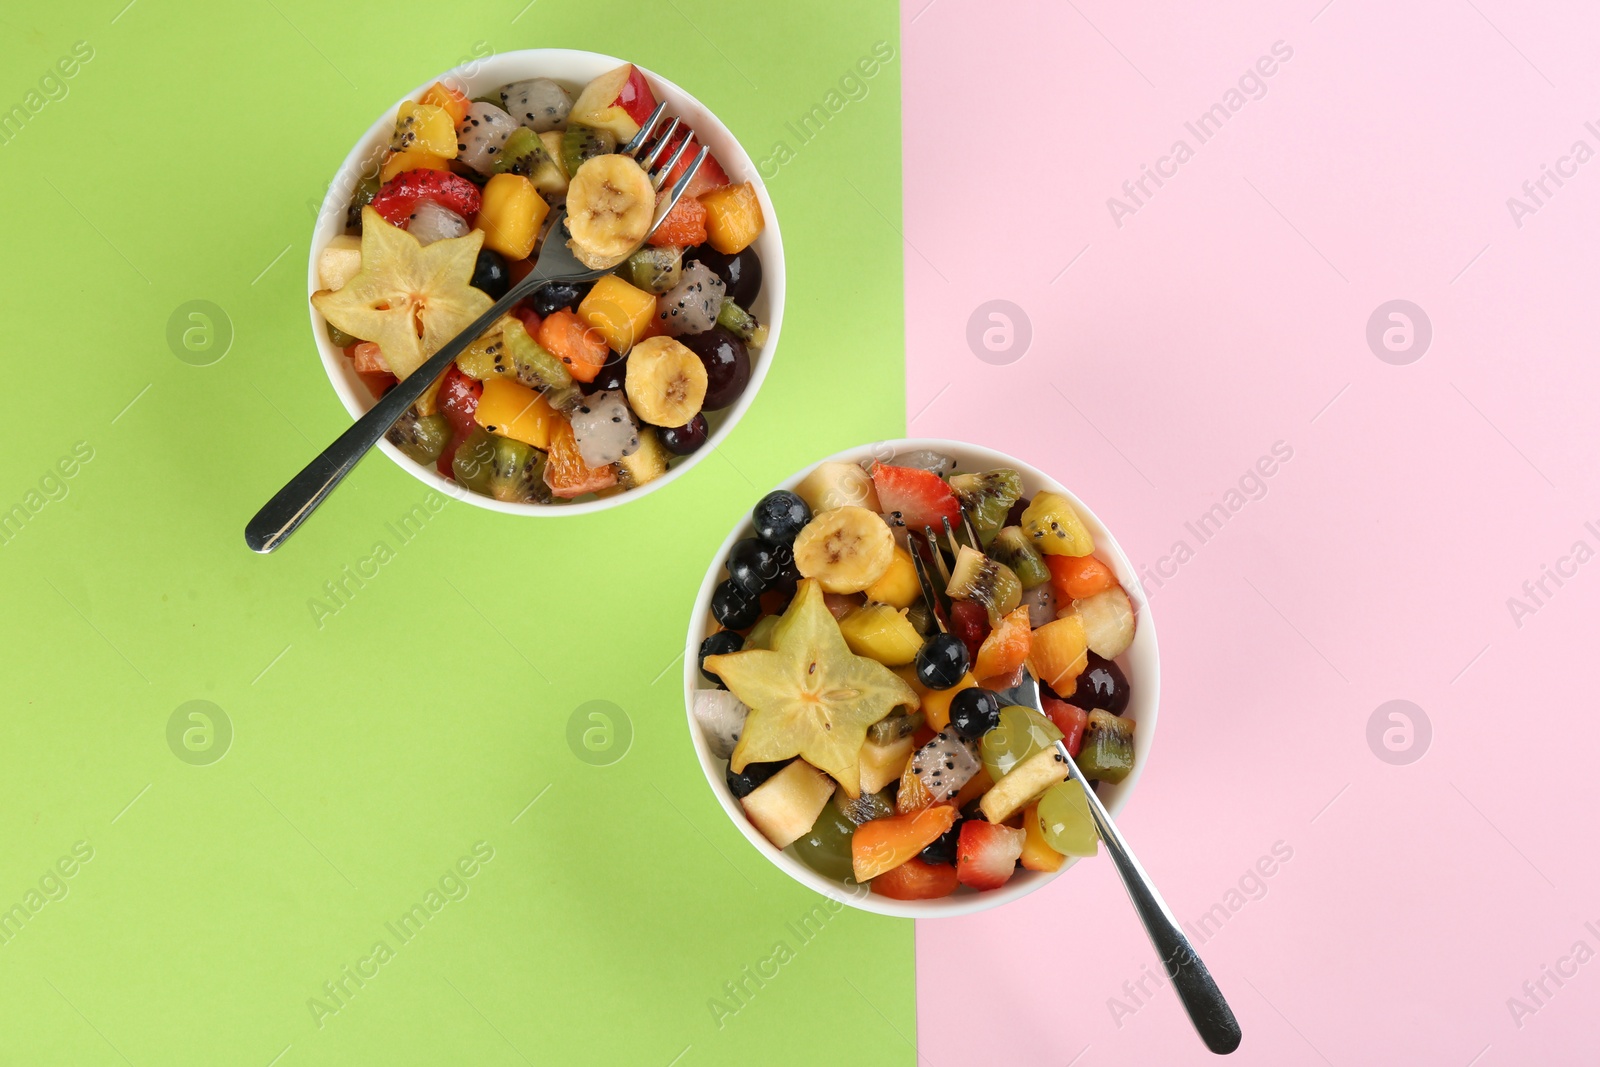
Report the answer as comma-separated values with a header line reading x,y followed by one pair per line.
x,y
1147,693
489,71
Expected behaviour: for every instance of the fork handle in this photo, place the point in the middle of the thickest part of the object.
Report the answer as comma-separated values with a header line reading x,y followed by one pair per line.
x,y
295,502
1198,991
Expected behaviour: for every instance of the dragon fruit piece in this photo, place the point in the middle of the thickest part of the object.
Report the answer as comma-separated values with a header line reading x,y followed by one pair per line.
x,y
430,222
481,135
538,103
922,459
604,428
721,718
946,763
691,306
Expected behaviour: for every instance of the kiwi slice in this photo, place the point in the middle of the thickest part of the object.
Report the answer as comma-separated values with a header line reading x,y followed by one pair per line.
x,y
1107,752
1012,547
980,579
921,619
516,474
865,808
473,463
655,270
341,339
987,498
581,143
894,727
422,437
533,364
737,321
524,153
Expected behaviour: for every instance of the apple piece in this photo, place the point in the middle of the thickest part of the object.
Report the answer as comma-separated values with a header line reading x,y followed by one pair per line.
x,y
618,101
786,805
1024,784
339,261
1107,621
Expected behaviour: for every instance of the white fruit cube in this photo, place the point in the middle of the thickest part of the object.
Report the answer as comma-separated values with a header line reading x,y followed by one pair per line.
x,y
1107,622
786,805
1026,782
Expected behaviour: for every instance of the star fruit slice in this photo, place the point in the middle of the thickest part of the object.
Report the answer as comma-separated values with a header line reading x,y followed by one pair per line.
x,y
408,297
810,696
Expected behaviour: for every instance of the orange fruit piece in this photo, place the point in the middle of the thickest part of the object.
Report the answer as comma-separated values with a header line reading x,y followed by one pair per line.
x,y
916,880
913,795
511,409
884,844
1060,653
1079,577
441,95
684,226
1007,645
565,471
574,343
733,217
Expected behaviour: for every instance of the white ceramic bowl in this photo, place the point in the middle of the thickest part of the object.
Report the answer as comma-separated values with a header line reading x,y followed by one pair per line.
x,y
1140,663
573,69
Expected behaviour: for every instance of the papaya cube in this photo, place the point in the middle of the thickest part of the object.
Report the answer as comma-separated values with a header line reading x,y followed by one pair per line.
x,y
511,409
442,96
511,215
617,311
733,217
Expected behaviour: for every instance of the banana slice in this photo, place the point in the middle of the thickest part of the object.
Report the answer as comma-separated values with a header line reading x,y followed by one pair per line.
x,y
845,549
666,383
610,205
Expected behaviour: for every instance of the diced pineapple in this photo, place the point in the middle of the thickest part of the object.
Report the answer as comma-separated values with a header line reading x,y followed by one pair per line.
x,y
882,764
339,261
648,462
786,805
1023,784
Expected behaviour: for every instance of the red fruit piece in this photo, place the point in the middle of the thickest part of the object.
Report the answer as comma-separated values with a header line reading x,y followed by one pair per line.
x,y
969,621
1069,719
684,226
921,497
399,196
635,96
710,175
368,359
916,880
986,854
458,401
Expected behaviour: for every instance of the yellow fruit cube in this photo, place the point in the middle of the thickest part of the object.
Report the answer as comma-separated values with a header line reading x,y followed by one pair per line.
x,y
617,311
1059,653
733,217
936,702
411,159
425,127
881,632
511,409
898,587
511,215
1037,855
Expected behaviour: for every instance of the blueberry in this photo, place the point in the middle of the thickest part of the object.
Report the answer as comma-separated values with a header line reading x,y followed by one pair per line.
x,y
490,274
736,609
943,849
974,712
744,782
942,661
718,644
614,375
1102,685
753,565
780,516
557,295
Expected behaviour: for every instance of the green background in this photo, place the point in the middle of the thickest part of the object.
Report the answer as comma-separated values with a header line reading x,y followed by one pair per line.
x,y
370,754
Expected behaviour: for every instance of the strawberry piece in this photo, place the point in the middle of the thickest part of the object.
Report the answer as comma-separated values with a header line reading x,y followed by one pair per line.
x,y
969,621
378,382
986,854
684,226
399,196
458,402
1069,719
710,175
530,319
1004,650
920,497
916,880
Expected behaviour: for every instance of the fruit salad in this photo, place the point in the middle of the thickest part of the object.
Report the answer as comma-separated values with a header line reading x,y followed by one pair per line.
x,y
582,390
862,721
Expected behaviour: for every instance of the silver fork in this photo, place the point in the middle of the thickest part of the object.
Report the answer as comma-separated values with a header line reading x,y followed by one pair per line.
x,y
295,502
1198,991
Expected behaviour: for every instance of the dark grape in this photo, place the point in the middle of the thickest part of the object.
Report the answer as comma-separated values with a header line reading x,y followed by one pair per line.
x,y
682,440
727,362
1102,685
744,782
942,661
614,375
718,644
752,565
557,295
943,849
735,608
740,272
974,712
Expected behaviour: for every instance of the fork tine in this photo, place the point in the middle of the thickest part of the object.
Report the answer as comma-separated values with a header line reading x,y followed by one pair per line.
x,y
928,593
972,534
638,140
648,162
658,177
938,557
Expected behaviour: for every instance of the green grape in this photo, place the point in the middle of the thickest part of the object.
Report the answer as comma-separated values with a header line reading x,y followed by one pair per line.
x,y
1021,733
1065,822
825,848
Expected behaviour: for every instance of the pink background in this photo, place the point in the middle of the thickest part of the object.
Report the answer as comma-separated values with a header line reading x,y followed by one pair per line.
x,y
1228,313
